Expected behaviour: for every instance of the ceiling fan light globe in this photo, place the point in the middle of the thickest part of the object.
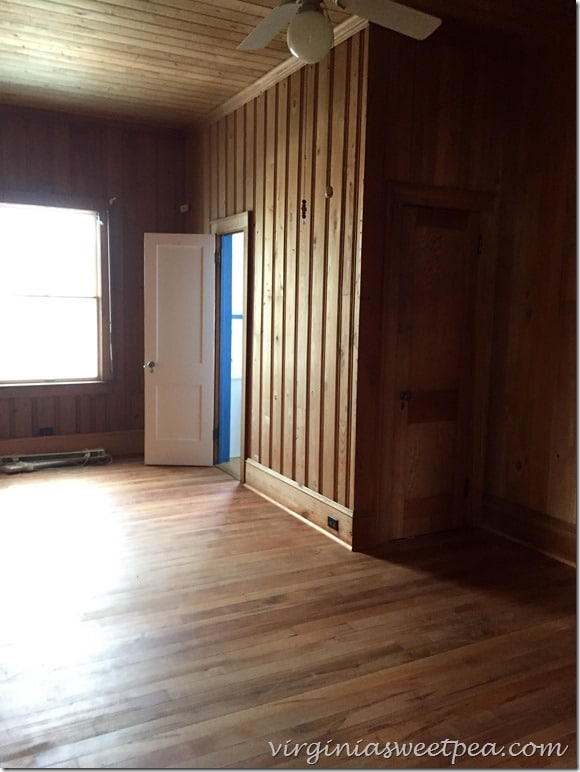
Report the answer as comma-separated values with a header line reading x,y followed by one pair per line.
x,y
310,36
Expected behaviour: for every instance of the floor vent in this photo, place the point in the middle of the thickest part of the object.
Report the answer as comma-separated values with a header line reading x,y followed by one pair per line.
x,y
15,464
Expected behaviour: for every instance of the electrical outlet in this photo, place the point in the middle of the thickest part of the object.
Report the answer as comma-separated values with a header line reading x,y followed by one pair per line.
x,y
332,522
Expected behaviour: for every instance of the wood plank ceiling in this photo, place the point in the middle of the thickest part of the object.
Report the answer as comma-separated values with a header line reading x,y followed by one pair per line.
x,y
170,61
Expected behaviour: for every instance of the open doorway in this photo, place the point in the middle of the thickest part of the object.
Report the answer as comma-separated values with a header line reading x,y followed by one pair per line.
x,y
231,282
231,318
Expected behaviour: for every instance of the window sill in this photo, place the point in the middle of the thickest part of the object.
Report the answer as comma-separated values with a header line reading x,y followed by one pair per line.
x,y
66,389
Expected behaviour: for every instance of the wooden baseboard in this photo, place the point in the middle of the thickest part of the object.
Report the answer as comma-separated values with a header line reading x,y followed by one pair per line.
x,y
547,534
300,501
123,443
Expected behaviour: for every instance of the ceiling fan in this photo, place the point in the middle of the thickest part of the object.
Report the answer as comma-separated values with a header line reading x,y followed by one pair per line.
x,y
310,35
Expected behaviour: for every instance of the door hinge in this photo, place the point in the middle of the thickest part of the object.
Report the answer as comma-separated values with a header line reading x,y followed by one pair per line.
x,y
479,244
466,487
217,257
215,434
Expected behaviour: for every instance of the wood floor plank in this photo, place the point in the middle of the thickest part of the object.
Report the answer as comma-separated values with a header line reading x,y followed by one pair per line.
x,y
165,617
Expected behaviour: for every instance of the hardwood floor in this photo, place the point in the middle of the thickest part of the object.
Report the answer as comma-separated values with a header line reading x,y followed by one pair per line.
x,y
168,617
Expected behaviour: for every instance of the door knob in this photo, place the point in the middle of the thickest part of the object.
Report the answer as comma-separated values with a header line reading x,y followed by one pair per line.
x,y
405,396
150,364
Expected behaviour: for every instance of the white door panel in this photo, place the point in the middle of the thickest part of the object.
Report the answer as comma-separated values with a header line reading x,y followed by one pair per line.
x,y
179,340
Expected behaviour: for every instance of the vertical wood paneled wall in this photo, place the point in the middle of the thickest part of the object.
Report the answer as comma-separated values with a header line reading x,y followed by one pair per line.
x,y
531,459
293,157
435,112
460,111
145,170
483,112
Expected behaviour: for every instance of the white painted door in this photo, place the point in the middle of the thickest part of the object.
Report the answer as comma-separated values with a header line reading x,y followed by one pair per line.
x,y
179,348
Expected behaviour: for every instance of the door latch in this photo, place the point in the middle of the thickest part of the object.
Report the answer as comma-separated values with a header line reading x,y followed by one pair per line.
x,y
404,396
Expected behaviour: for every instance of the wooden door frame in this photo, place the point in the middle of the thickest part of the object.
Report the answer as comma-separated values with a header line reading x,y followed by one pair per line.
x,y
224,226
399,195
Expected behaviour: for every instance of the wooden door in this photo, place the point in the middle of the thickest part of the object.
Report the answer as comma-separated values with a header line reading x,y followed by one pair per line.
x,y
436,250
179,348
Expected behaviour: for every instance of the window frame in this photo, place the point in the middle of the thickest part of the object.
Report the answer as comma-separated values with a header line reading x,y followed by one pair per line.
x,y
103,383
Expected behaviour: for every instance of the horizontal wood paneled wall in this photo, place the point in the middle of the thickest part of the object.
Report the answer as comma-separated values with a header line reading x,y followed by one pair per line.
x,y
145,170
531,459
279,156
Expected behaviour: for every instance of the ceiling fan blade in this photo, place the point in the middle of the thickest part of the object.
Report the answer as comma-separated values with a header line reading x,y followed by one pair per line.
x,y
270,26
400,18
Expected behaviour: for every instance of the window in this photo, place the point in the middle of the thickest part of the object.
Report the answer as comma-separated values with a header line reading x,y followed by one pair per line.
x,y
54,310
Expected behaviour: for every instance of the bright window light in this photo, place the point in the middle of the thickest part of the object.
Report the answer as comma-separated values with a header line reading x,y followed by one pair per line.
x,y
51,309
